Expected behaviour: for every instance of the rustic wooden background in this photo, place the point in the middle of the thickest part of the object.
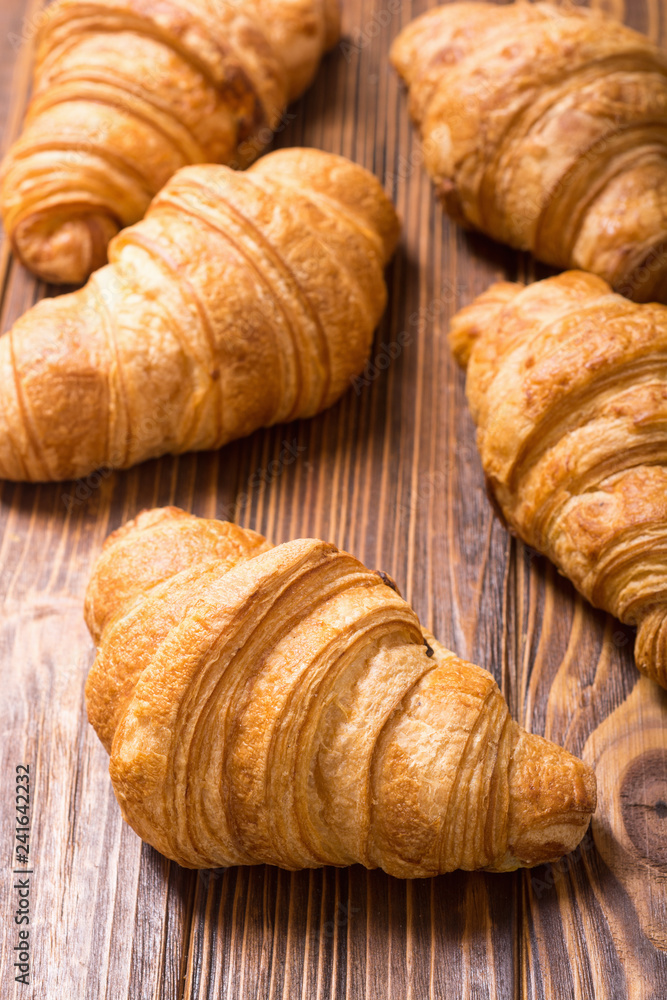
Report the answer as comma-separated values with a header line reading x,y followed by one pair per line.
x,y
391,474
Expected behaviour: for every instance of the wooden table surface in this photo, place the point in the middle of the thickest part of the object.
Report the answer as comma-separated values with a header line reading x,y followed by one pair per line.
x,y
391,474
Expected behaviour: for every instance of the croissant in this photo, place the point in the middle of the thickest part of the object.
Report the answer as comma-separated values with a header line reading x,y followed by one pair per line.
x,y
546,128
128,91
283,706
567,384
241,300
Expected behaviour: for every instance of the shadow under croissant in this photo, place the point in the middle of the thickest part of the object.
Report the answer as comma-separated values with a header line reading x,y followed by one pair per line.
x,y
238,474
299,930
264,924
647,283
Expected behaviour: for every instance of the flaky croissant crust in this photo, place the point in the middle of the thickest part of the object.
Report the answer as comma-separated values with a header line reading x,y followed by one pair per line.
x,y
243,299
283,706
567,383
546,127
126,92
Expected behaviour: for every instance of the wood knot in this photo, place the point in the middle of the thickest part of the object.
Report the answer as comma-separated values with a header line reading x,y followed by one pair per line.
x,y
643,799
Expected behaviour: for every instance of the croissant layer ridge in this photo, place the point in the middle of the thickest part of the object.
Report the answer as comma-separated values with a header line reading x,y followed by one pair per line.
x,y
283,705
127,92
545,127
242,299
567,383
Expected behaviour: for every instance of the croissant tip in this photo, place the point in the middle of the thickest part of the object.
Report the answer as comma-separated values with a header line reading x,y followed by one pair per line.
x,y
64,250
554,795
651,646
472,321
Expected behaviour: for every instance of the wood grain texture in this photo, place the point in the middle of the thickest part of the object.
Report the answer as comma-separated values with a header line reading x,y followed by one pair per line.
x,y
391,474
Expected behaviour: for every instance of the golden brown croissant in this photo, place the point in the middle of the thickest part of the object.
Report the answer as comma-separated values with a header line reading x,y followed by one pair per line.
x,y
242,299
128,91
283,706
567,383
546,128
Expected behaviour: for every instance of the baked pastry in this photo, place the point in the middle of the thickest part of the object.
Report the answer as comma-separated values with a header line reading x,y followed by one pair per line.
x,y
546,128
568,387
243,299
283,706
128,91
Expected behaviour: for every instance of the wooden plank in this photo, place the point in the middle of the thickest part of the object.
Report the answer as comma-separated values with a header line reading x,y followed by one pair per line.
x,y
392,474
594,911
